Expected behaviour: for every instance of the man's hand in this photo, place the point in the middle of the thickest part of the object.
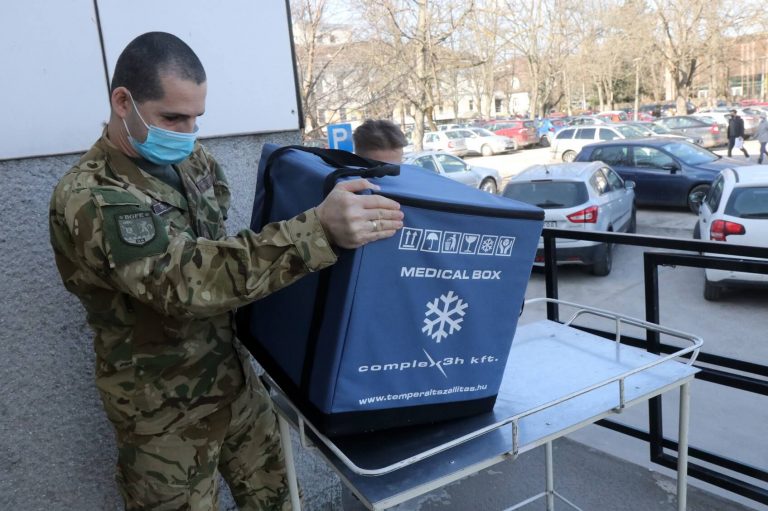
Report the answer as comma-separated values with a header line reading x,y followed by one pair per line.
x,y
353,220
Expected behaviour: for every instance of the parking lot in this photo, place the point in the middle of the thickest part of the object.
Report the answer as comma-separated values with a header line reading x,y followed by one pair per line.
x,y
724,421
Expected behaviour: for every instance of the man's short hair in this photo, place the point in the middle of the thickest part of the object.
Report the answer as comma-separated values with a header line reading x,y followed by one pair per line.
x,y
141,63
733,111
378,135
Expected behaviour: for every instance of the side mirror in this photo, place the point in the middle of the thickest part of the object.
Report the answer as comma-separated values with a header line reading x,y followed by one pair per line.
x,y
629,185
696,201
672,167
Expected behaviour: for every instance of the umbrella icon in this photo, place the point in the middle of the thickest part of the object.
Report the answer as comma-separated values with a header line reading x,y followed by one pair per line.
x,y
432,237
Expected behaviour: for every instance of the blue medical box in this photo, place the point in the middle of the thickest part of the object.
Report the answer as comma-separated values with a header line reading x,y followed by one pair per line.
x,y
412,329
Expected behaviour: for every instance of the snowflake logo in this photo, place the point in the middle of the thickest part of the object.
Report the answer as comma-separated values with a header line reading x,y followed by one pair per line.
x,y
444,316
487,245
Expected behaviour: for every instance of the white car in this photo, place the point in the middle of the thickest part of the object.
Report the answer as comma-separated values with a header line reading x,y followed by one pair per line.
x,y
578,196
449,141
735,210
569,141
484,142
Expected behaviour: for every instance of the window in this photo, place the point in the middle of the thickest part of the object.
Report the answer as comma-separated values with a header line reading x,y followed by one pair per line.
x,y
749,202
599,182
548,194
454,134
606,134
427,163
471,104
715,193
586,133
566,134
651,158
450,163
612,155
615,182
498,103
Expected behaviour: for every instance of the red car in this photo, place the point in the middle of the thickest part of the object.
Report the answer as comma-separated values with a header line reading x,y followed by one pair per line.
x,y
523,132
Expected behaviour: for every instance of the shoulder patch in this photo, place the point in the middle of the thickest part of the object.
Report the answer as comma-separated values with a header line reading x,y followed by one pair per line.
x,y
136,229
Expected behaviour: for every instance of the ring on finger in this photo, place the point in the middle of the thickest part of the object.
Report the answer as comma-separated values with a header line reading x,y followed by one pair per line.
x,y
375,225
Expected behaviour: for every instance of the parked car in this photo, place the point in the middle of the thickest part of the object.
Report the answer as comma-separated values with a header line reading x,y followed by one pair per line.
x,y
457,169
484,142
670,109
521,131
613,116
721,115
711,133
735,210
653,129
569,141
582,197
666,172
450,142
585,120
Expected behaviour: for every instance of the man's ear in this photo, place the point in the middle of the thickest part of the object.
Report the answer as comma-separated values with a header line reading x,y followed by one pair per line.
x,y
120,100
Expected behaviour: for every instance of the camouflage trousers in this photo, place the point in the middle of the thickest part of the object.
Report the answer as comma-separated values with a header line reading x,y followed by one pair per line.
x,y
179,470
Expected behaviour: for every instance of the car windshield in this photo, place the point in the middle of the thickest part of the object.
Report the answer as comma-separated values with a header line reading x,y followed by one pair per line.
x,y
690,154
548,194
483,132
629,131
749,202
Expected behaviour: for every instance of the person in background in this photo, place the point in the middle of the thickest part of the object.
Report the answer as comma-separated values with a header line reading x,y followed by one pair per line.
x,y
736,131
138,233
762,136
380,140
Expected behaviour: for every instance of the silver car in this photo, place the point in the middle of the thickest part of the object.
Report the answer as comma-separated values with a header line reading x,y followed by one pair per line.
x,y
449,141
578,196
484,142
711,132
457,169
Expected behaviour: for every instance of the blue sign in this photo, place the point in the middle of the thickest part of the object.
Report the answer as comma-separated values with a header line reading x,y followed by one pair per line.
x,y
340,137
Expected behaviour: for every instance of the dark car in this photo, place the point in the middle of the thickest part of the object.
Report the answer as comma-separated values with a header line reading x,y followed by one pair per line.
x,y
666,172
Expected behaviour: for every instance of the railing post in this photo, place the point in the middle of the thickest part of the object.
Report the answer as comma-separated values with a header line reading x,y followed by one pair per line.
x,y
550,274
655,426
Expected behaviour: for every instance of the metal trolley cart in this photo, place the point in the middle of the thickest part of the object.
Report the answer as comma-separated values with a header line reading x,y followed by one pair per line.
x,y
558,379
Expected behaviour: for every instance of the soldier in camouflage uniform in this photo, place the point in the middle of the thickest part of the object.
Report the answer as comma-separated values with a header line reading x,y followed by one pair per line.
x,y
137,228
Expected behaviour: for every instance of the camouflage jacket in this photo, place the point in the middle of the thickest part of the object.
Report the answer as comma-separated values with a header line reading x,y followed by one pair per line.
x,y
160,279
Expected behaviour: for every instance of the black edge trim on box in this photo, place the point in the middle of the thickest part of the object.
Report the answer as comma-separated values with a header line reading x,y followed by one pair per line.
x,y
464,208
352,423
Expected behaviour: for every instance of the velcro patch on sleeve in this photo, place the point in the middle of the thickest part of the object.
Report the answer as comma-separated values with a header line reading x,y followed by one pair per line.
x,y
131,230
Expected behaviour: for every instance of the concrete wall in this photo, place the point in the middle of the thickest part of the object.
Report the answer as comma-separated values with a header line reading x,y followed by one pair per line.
x,y
56,446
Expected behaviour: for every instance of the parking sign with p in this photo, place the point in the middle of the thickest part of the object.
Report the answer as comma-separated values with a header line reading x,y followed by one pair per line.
x,y
340,137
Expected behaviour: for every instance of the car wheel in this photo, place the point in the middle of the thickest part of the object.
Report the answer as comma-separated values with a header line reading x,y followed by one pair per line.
x,y
712,292
569,156
632,228
486,150
603,262
488,185
695,196
544,141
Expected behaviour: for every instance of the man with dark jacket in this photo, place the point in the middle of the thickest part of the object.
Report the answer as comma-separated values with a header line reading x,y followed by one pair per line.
x,y
736,130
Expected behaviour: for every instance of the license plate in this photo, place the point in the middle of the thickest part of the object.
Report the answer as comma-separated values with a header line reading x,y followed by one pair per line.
x,y
549,223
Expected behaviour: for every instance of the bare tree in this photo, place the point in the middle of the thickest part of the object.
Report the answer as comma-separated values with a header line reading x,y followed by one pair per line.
x,y
691,36
546,33
415,33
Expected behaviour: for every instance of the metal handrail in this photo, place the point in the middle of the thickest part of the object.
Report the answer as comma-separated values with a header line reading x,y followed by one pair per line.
x,y
696,343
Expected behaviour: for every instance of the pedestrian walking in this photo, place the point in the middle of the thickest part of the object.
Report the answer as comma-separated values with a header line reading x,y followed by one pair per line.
x,y
762,136
736,133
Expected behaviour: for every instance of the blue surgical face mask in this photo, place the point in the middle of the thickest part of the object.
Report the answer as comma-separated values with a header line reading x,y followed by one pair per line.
x,y
162,147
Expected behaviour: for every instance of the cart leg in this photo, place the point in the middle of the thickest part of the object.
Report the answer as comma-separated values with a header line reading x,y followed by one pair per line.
x,y
290,468
682,447
550,477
